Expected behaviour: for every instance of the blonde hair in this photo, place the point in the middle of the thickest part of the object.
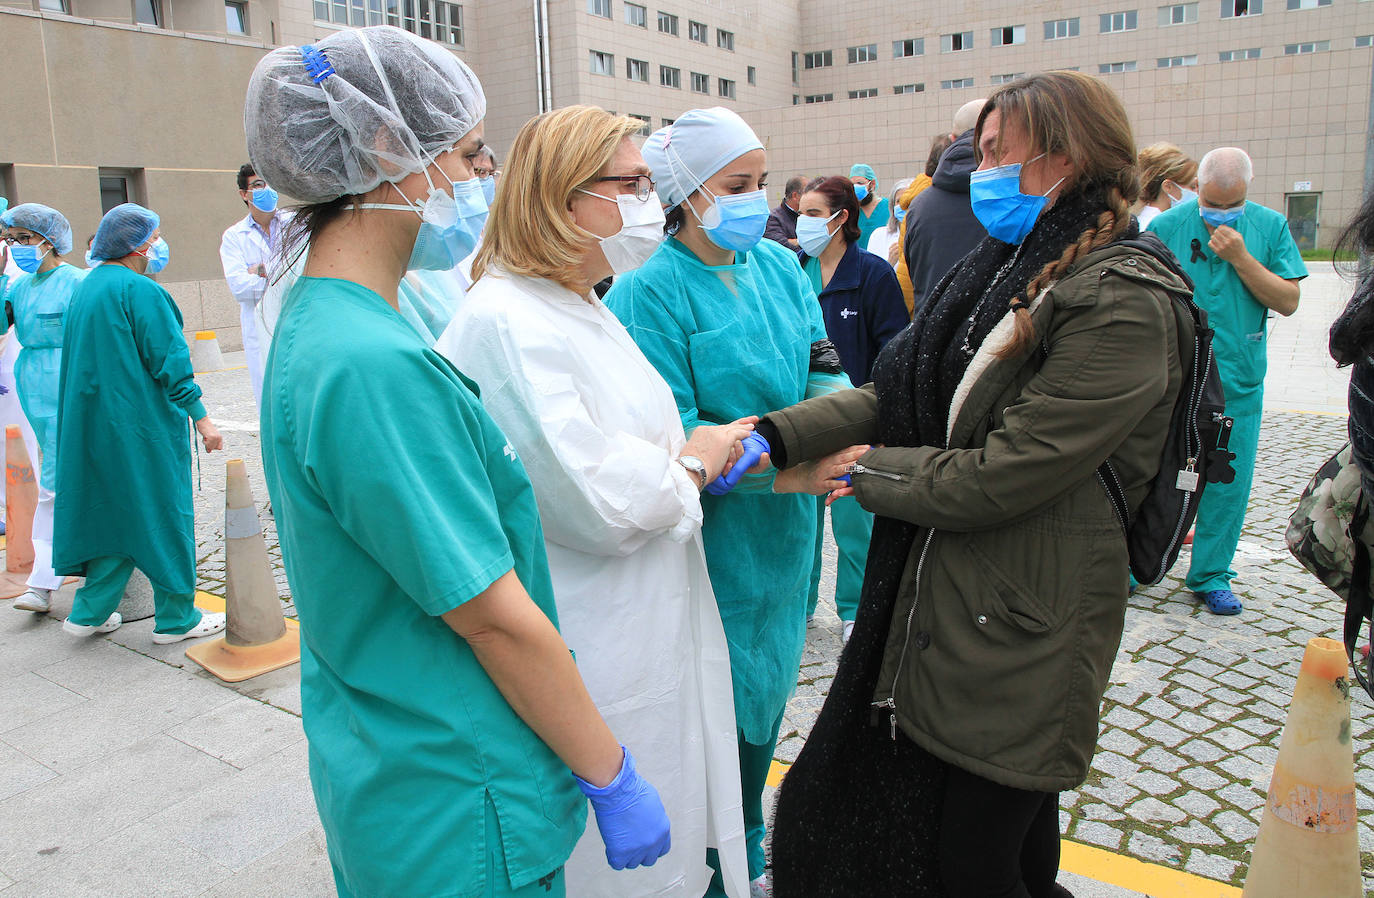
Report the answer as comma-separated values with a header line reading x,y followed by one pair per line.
x,y
530,231
1160,162
1080,117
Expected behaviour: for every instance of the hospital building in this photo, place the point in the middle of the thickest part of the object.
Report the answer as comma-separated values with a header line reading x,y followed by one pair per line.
x,y
142,100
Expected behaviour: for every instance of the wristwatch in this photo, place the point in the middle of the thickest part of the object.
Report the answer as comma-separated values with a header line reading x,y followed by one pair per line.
x,y
695,466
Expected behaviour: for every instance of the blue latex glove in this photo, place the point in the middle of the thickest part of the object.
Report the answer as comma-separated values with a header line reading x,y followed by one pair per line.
x,y
754,448
631,818
4,389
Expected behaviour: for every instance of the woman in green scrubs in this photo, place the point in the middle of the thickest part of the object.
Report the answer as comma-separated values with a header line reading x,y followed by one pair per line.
x,y
443,710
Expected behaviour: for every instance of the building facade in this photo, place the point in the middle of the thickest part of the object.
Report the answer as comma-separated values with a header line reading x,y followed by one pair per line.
x,y
143,99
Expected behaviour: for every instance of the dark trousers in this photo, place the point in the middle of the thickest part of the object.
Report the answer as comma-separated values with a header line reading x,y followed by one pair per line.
x,y
996,841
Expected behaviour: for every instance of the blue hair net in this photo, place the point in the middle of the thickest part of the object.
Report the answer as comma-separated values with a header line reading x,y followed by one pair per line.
x,y
685,154
123,229
863,170
4,203
42,220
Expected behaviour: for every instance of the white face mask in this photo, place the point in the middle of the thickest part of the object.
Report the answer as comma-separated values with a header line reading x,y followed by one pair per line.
x,y
641,230
1185,195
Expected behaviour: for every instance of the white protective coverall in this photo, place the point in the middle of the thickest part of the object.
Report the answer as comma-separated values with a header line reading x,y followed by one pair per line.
x,y
11,412
599,433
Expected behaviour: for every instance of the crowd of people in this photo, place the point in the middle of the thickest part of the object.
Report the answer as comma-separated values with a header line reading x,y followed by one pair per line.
x,y
550,450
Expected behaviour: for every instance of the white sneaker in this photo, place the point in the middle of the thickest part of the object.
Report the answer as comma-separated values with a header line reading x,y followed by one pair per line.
x,y
39,601
111,624
210,624
848,628
760,888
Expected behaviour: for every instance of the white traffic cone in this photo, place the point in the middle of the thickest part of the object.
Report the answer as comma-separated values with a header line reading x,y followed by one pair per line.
x,y
205,353
21,499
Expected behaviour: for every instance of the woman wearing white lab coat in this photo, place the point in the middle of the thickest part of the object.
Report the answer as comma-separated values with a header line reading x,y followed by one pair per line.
x,y
617,481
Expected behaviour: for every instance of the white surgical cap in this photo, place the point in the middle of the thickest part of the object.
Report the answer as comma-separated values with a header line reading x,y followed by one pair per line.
x,y
700,143
359,108
42,220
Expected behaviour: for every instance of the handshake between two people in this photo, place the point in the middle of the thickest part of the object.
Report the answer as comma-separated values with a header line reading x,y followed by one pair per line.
x,y
730,451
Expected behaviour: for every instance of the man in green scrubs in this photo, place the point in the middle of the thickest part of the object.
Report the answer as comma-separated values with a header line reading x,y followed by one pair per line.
x,y
1244,265
123,453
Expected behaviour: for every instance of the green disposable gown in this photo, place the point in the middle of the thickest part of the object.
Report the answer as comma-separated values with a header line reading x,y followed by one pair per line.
x,y
732,341
123,447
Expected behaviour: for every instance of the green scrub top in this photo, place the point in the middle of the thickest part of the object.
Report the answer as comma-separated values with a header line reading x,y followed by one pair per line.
x,y
39,302
398,499
1237,317
123,440
812,267
732,341
868,223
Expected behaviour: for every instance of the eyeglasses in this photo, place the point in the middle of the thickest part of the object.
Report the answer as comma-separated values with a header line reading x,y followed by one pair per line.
x,y
483,173
23,239
257,185
644,185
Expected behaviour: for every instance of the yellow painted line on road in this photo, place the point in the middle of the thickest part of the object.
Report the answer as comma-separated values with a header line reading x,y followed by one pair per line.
x,y
218,370
1304,411
206,601
1113,869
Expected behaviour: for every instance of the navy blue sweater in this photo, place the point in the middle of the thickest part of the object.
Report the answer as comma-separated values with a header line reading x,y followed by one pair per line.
x,y
863,309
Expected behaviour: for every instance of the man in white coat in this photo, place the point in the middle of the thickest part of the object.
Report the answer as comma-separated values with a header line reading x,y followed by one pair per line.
x,y
246,251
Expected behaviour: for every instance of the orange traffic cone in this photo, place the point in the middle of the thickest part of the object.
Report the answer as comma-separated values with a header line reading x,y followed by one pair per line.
x,y
21,498
257,638
1307,844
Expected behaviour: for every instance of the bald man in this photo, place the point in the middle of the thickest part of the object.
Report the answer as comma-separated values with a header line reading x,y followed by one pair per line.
x,y
940,226
1245,267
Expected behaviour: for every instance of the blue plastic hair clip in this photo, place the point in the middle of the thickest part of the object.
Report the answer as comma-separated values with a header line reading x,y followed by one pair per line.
x,y
316,63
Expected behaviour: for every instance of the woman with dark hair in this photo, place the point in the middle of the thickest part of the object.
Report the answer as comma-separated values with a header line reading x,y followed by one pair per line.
x,y
1352,343
863,308
995,593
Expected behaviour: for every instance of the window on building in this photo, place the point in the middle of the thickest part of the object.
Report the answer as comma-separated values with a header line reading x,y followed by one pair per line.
x,y
602,63
956,83
725,40
726,88
1174,62
235,17
1008,35
1061,28
751,75
796,66
701,84
1365,40
119,185
1177,14
910,47
819,59
796,99
636,15
637,70
1007,79
1237,55
1113,22
863,93
665,122
648,127
1231,9
1307,4
960,40
819,98
667,23
449,23
53,5
908,88
600,8
148,12
1308,47
696,31
669,77
864,53
1109,68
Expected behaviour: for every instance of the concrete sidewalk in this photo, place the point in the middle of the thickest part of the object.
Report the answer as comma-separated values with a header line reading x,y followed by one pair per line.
x,y
126,771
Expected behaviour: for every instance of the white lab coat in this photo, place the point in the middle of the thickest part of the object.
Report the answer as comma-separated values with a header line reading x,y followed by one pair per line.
x,y
243,246
598,431
11,412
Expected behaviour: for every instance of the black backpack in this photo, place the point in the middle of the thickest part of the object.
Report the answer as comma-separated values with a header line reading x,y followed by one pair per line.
x,y
1195,450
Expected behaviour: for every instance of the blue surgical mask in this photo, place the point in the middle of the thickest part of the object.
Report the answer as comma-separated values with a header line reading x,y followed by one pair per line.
x,y
736,221
1218,217
158,255
28,258
1185,196
489,188
1004,211
814,233
450,224
899,213
265,199
91,262
861,191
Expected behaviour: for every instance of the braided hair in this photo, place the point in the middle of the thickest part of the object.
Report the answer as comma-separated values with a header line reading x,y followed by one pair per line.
x,y
1079,117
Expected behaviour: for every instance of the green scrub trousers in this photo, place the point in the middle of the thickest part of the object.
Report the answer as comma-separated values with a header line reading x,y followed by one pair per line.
x,y
106,578
1221,513
852,528
754,763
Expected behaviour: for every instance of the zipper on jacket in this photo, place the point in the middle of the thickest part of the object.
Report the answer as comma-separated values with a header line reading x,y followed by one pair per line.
x,y
860,469
891,703
891,707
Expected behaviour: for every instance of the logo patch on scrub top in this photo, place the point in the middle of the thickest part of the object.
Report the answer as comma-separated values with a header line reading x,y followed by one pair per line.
x,y
848,313
509,451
